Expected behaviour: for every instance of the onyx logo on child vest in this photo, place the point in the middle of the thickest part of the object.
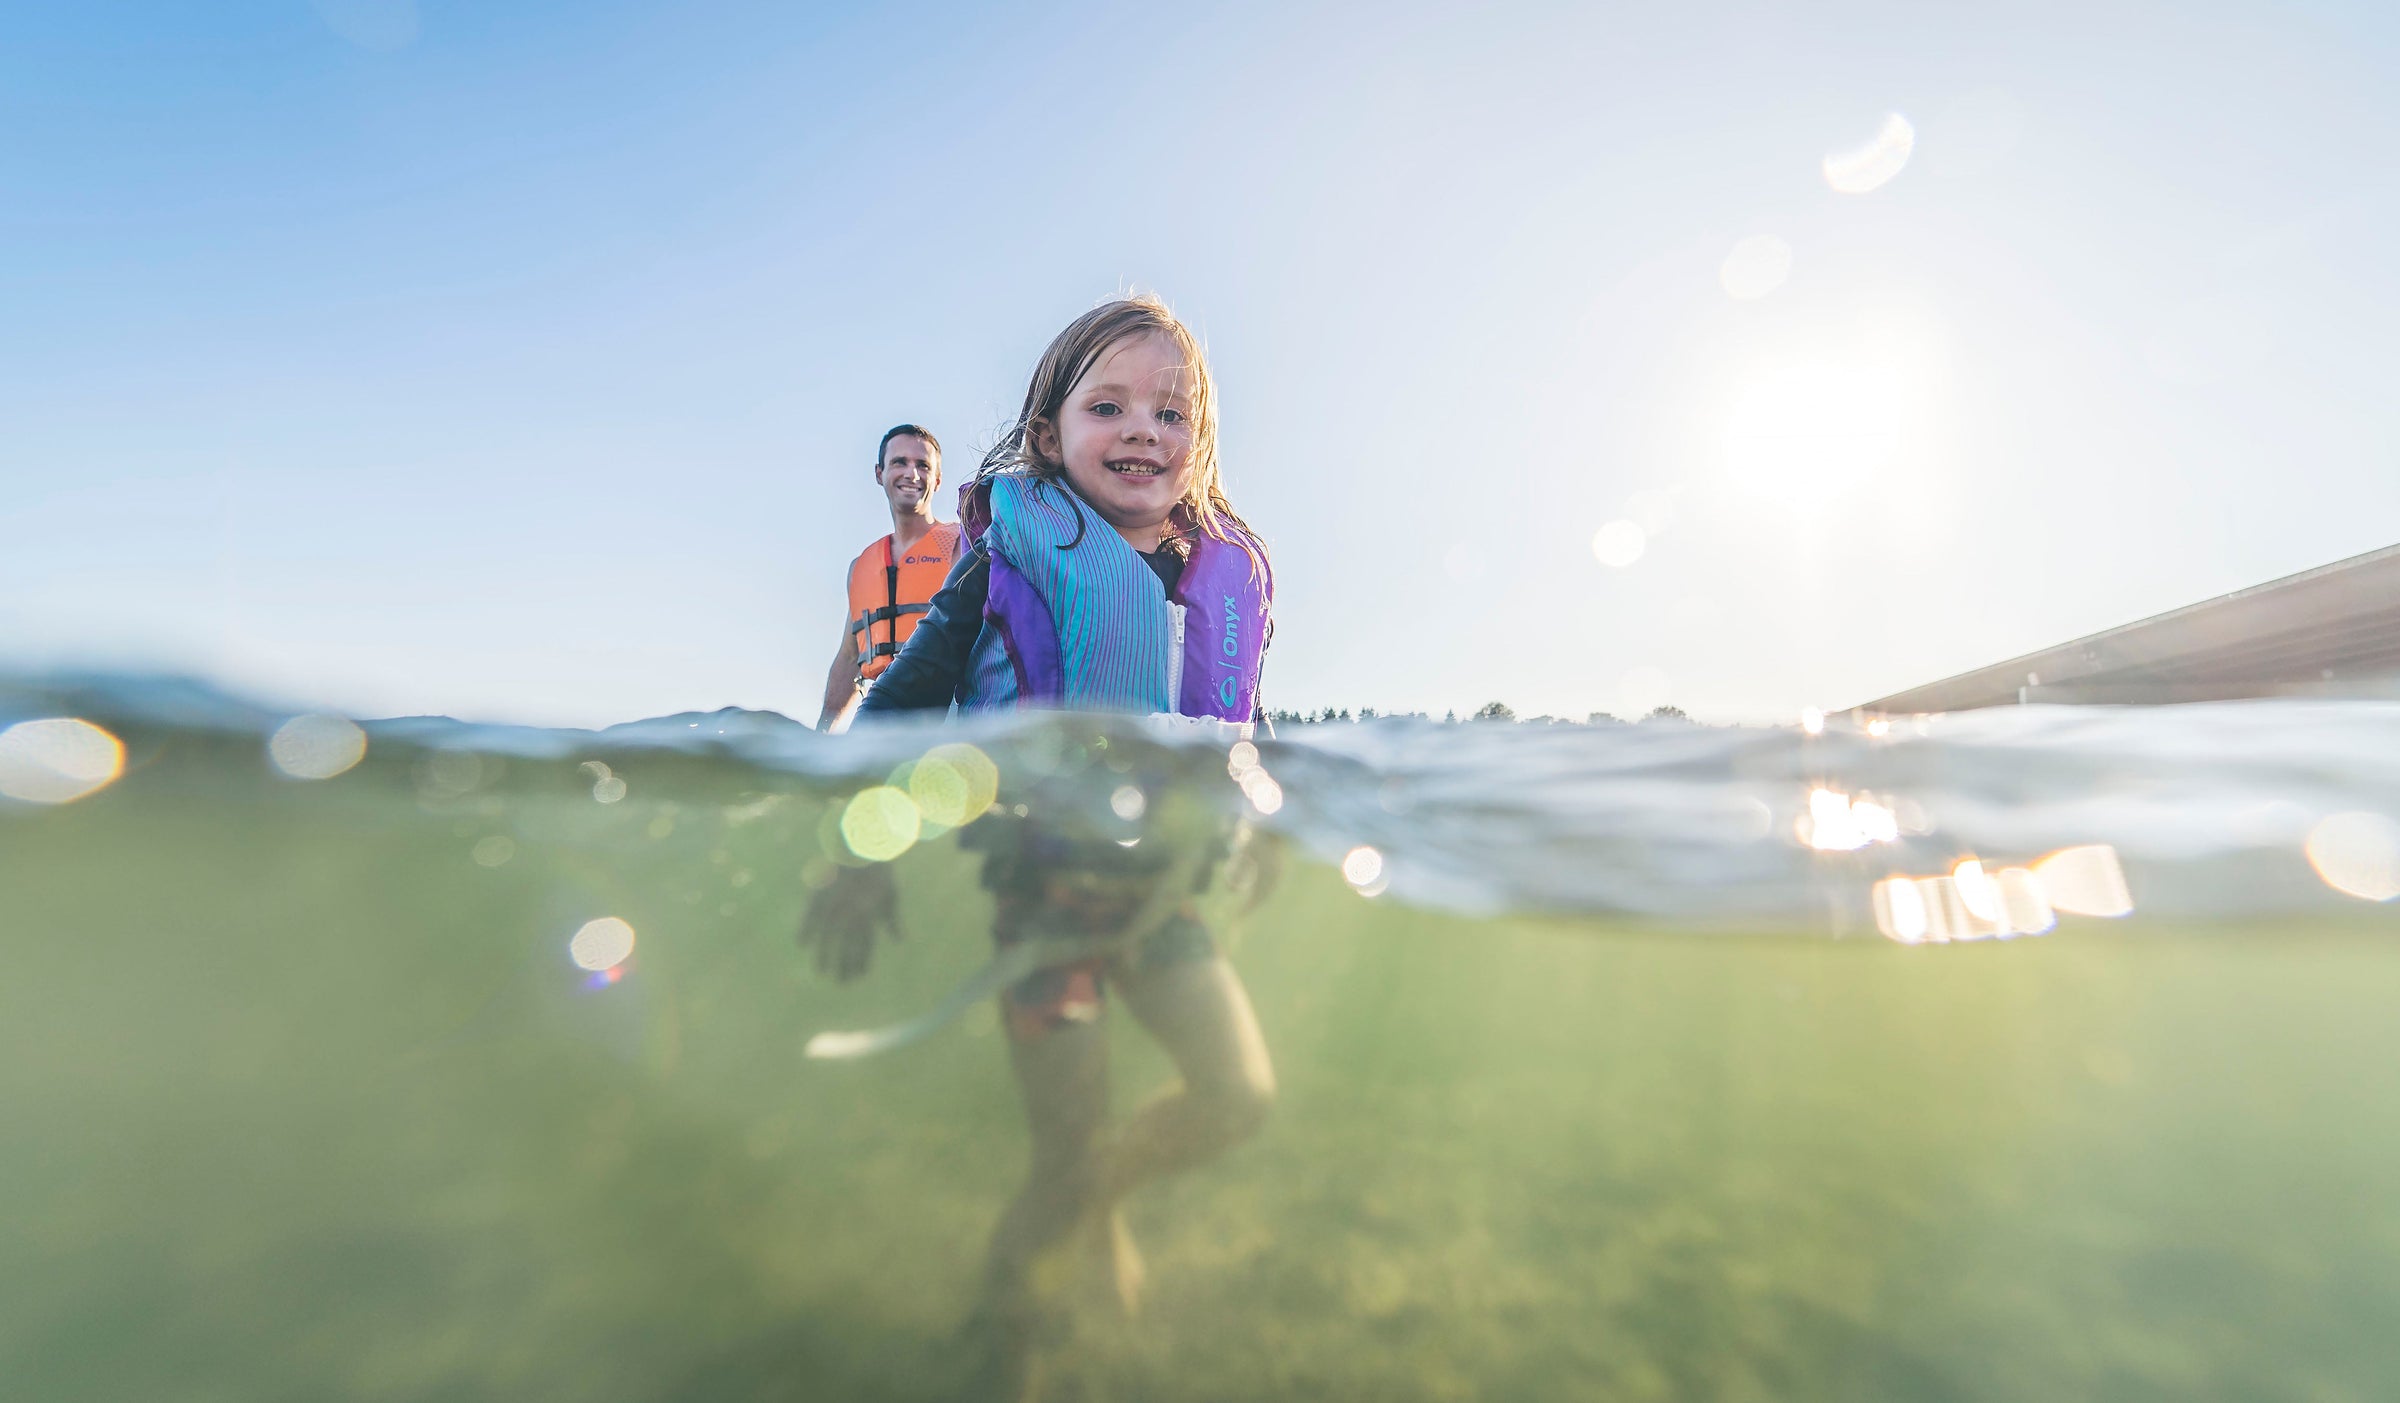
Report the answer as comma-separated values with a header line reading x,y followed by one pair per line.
x,y
1229,688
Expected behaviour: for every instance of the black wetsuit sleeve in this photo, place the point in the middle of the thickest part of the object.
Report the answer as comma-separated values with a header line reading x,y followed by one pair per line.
x,y
930,666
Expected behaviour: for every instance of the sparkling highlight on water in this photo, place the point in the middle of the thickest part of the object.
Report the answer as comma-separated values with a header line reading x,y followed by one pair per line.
x,y
1973,902
1837,822
58,760
1259,787
2086,880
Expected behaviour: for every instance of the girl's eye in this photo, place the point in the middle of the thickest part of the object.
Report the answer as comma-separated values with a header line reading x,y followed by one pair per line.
x,y
1106,409
1170,416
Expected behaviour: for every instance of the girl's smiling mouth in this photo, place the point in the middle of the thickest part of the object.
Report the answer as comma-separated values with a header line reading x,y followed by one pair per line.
x,y
1136,467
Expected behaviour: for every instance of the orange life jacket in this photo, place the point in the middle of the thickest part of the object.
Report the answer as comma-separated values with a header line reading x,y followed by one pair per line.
x,y
888,596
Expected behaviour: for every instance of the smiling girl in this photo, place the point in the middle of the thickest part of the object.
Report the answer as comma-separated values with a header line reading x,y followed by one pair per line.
x,y
1106,572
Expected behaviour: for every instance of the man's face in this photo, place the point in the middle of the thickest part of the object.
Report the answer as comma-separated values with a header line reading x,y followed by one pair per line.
x,y
910,471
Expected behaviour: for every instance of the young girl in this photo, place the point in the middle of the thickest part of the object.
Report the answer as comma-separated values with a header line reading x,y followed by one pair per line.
x,y
1106,572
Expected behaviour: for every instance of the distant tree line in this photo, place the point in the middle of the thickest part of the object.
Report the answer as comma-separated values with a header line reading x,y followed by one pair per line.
x,y
1489,711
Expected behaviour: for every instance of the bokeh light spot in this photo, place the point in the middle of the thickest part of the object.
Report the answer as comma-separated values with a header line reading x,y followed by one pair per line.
x,y
58,760
448,774
1619,544
1128,803
1838,822
316,747
881,823
2357,854
1872,166
494,851
2085,881
1971,903
1900,910
1362,866
1977,889
601,945
607,786
953,784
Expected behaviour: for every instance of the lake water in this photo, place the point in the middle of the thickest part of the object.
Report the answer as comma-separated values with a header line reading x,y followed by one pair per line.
x,y
1657,1062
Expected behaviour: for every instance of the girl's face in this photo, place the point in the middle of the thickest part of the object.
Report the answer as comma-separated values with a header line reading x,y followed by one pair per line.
x,y
1124,435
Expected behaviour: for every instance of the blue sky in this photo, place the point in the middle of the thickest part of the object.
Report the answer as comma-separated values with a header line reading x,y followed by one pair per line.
x,y
526,362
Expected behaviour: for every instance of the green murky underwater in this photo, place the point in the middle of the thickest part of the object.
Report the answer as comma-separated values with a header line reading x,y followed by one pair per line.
x,y
304,1101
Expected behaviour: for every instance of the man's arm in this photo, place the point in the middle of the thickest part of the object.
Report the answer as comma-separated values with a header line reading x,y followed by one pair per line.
x,y
933,662
841,681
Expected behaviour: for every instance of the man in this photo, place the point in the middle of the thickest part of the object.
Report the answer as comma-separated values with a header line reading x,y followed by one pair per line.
x,y
892,580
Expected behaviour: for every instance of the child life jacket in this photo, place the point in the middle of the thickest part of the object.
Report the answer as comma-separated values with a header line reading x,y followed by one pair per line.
x,y
1074,617
888,596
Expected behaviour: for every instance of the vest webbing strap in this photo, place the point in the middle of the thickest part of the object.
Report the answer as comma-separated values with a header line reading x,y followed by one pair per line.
x,y
876,616
891,587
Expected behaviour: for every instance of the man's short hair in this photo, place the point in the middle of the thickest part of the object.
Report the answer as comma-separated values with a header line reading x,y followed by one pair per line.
x,y
897,430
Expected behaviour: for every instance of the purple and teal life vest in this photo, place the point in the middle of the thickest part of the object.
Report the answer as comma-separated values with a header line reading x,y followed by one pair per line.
x,y
1074,617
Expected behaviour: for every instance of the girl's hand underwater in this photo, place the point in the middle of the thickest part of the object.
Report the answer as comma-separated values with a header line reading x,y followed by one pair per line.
x,y
844,917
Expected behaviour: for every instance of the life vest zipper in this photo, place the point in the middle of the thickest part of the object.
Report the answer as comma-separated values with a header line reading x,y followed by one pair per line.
x,y
1175,621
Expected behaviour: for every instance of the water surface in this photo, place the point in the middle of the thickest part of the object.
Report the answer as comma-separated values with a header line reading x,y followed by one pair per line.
x,y
1613,1087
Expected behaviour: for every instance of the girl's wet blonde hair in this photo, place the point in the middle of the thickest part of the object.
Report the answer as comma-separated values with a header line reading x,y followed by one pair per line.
x,y
1075,351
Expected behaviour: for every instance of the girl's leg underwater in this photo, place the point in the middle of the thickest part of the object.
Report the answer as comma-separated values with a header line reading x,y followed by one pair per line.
x,y
1063,1076
1201,1014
